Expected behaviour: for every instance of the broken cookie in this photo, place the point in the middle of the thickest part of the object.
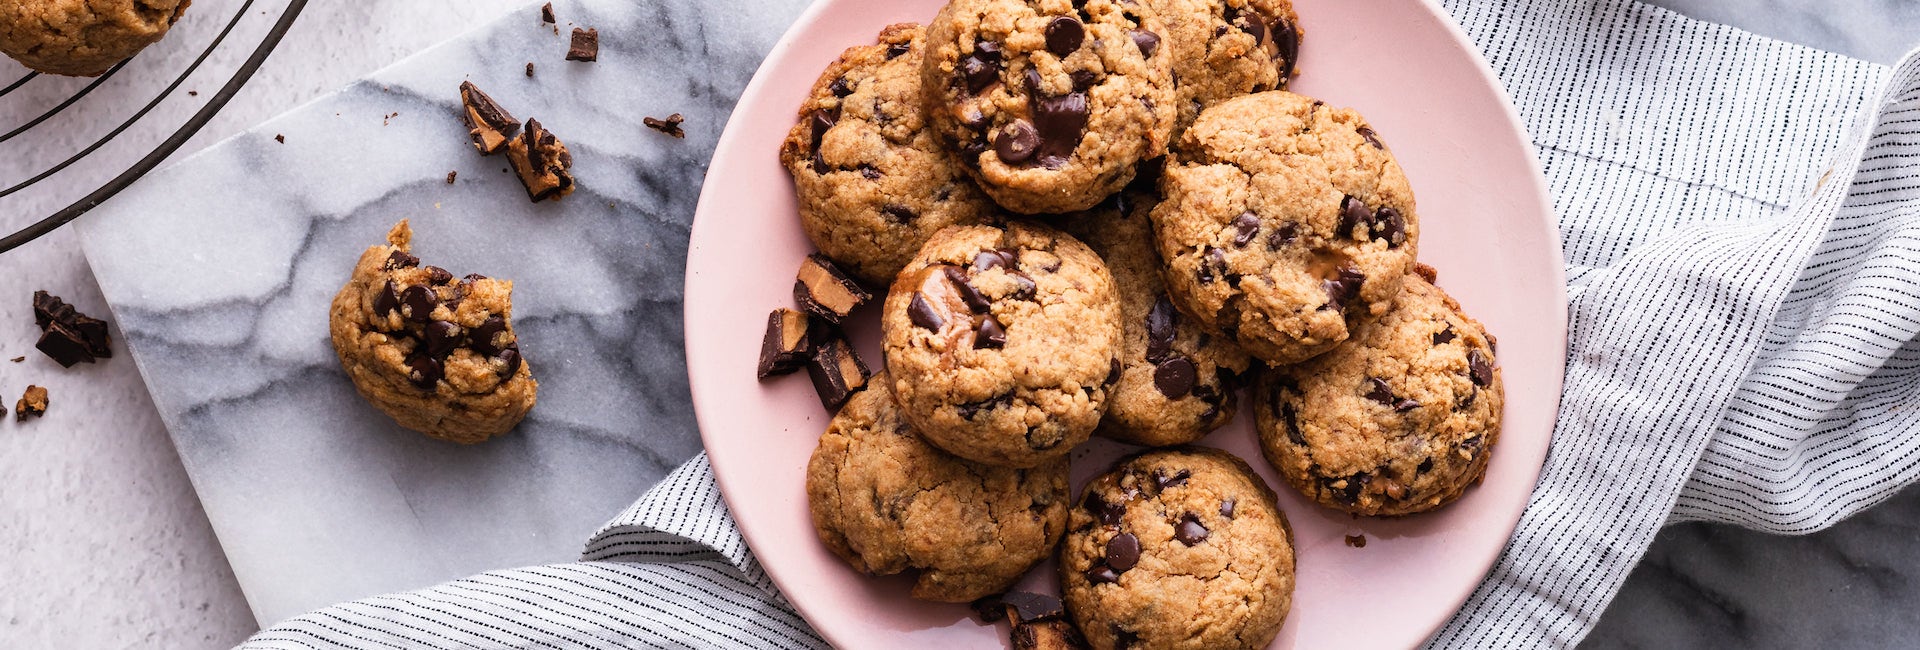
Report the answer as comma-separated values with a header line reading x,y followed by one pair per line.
x,y
787,345
31,404
67,335
826,291
490,126
542,162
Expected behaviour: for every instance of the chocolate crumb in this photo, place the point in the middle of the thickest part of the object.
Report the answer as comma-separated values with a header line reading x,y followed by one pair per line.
x,y
193,93
31,404
279,138
669,126
529,68
586,45
19,359
546,13
450,176
67,335
1357,541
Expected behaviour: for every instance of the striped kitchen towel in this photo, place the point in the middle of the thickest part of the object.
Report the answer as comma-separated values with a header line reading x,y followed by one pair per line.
x,y
1741,221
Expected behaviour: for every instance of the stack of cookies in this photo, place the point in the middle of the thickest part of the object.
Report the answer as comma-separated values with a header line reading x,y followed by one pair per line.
x,y
1106,217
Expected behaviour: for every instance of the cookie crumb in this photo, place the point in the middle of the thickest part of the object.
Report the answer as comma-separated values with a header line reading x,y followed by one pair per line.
x,y
669,126
279,138
529,68
389,116
193,93
542,162
19,359
451,175
67,335
586,45
31,404
1357,541
546,13
489,125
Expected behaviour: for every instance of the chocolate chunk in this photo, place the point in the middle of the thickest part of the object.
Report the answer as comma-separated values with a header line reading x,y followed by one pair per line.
x,y
424,370
1108,512
1174,480
1046,635
542,162
490,337
63,345
509,360
400,259
1061,122
787,343
488,125
922,314
1357,541
1017,142
1371,137
585,46
1213,265
438,276
1245,227
1344,288
1160,329
1123,552
1190,531
990,334
839,87
1226,507
1291,420
417,303
819,122
1282,235
1405,405
898,213
981,68
1389,226
669,126
32,404
1174,377
1024,288
546,13
969,409
824,290
441,338
894,50
1286,36
870,173
1064,35
1147,41
1353,213
836,370
48,308
1480,368
1379,391
1255,27
1026,607
989,608
1100,573
1444,336
989,260
1354,485
1084,80
386,300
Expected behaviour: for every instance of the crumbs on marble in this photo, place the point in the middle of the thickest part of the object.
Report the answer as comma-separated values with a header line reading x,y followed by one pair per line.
x,y
529,68
451,175
546,13
586,45
669,126
280,138
67,335
31,404
389,116
19,359
1357,541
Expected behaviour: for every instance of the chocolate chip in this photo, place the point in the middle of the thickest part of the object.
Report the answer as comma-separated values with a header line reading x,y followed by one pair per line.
x,y
869,172
1147,41
386,300
1213,265
1257,28
783,349
1379,391
1353,213
438,276
585,46
423,370
1424,467
1024,288
401,260
989,260
1160,329
442,337
1190,531
898,213
1291,420
1123,552
1443,336
64,345
1060,121
969,409
417,303
1017,142
1163,481
1480,368
1174,377
1113,372
1064,35
1287,37
1245,227
1100,573
820,121
1226,507
1405,405
1282,235
1344,288
1084,80
1109,513
923,315
894,50
490,337
981,68
1026,607
1388,225
839,87
1371,137
990,334
836,370
510,359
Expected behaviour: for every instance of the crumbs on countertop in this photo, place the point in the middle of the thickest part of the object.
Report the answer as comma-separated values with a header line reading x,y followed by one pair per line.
x,y
31,404
586,45
669,126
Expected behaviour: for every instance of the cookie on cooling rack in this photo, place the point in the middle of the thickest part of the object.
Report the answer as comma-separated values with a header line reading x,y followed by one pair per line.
x,y
83,38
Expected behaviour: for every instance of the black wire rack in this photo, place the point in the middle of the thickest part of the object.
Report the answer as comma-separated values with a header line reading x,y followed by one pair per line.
x,y
67,144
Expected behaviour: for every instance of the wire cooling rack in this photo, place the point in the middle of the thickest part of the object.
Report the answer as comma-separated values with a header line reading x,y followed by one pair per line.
x,y
67,144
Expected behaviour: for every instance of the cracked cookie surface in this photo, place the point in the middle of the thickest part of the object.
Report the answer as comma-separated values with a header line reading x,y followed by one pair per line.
x,y
1178,548
872,182
1223,49
1050,103
83,37
438,355
1399,420
1177,380
885,501
1285,223
1002,343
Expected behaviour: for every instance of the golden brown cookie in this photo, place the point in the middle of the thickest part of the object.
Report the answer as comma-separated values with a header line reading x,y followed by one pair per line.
x,y
1223,49
886,502
83,38
438,355
1398,420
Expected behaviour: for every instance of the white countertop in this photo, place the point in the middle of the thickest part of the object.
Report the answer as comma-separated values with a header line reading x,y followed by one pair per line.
x,y
110,547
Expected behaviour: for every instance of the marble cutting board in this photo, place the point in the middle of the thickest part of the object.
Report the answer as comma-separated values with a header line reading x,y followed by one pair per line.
x,y
220,267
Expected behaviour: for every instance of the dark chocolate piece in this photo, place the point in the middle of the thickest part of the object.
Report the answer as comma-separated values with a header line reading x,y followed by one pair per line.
x,y
585,46
1052,634
824,290
1027,607
546,13
787,344
836,370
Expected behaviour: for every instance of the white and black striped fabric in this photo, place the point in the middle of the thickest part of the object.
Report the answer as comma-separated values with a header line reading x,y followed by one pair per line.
x,y
1741,220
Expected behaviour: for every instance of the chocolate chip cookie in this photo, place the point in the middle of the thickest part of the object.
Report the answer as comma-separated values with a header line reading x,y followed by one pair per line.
x,y
1223,49
437,354
83,38
1399,420
1003,344
1286,224
873,183
1178,548
1177,381
886,501
1050,103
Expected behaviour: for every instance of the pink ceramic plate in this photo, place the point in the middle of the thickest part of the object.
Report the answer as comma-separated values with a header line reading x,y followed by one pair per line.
x,y
1485,223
